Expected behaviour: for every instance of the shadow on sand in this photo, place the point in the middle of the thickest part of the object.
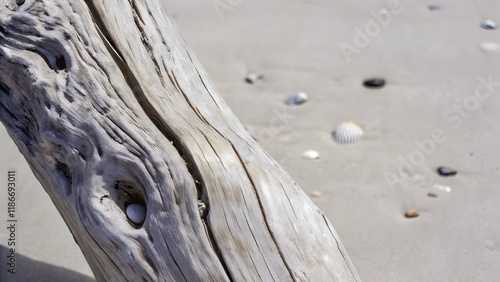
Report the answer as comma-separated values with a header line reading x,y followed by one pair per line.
x,y
28,269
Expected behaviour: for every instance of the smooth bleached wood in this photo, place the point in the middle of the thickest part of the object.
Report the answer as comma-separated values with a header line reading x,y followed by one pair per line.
x,y
110,108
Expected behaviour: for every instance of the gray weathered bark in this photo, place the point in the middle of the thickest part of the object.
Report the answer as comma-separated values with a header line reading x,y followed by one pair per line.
x,y
109,108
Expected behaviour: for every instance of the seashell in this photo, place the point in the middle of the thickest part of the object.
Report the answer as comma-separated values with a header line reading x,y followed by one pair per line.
x,y
298,98
375,82
251,78
446,171
136,213
488,24
489,46
310,155
347,132
441,187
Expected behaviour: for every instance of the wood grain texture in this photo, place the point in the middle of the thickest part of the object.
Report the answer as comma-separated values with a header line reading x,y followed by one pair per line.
x,y
110,107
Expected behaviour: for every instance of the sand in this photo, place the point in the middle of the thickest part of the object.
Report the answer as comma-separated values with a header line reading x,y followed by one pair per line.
x,y
430,113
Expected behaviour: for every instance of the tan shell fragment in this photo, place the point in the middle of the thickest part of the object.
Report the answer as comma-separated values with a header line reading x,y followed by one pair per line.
x,y
411,213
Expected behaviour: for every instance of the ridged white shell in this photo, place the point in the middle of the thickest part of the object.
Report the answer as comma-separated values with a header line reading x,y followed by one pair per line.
x,y
136,213
296,98
347,132
310,155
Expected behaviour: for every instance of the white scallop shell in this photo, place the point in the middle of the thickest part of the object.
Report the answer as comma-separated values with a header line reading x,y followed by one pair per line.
x,y
310,155
136,213
347,132
296,98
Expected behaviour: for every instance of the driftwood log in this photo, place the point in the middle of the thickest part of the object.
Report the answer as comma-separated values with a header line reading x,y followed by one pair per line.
x,y
110,107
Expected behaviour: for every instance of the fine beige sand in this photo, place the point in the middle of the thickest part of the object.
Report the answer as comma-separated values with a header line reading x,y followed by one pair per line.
x,y
439,107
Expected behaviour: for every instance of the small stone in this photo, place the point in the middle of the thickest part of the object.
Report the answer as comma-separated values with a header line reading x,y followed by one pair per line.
x,y
297,98
446,171
488,24
136,213
411,213
434,7
251,78
432,195
375,82
310,155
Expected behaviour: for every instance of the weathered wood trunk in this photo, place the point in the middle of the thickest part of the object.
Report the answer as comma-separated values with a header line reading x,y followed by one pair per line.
x,y
110,107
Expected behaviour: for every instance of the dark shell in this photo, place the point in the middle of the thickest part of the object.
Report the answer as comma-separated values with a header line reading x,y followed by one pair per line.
x,y
374,83
446,171
434,7
251,78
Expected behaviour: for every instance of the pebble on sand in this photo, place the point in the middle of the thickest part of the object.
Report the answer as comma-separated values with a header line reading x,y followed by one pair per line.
x,y
488,24
446,171
434,7
251,78
297,98
432,195
310,155
411,213
375,82
347,132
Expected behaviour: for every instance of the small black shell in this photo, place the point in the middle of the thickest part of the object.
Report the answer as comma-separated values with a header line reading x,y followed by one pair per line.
x,y
375,82
446,171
